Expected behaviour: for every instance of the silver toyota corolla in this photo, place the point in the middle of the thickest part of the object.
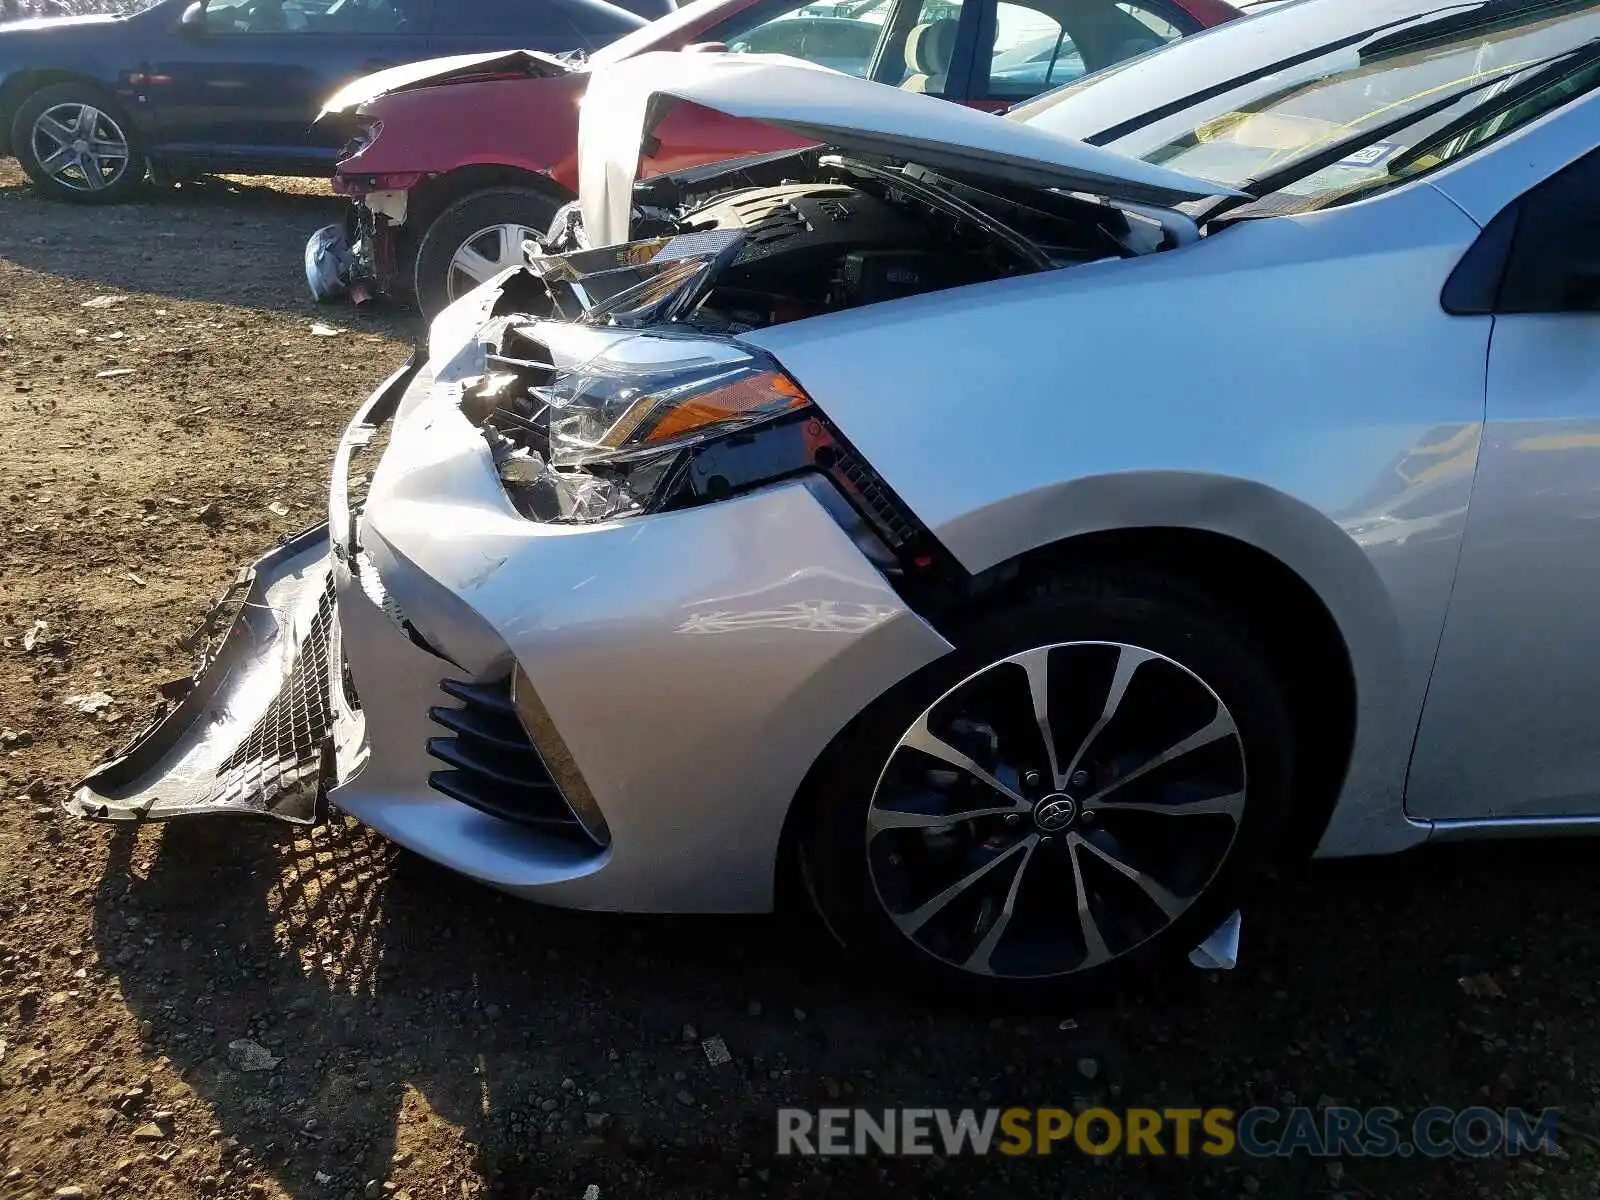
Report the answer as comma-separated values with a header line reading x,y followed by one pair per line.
x,y
1027,528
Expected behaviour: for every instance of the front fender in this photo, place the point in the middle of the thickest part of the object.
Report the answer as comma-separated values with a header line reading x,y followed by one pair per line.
x,y
1371,612
1292,383
526,124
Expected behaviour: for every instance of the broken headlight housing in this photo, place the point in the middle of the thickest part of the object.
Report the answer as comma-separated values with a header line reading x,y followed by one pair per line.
x,y
596,424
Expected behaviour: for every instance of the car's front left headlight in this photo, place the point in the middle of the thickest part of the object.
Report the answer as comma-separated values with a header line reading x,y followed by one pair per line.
x,y
591,424
651,394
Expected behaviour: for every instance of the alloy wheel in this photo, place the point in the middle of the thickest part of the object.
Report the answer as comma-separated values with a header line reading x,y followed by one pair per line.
x,y
81,147
484,255
1056,810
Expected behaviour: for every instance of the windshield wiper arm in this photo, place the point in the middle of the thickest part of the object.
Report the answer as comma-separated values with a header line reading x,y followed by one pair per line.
x,y
1300,168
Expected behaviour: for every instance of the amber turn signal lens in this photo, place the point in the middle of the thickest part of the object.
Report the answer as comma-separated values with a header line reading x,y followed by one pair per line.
x,y
766,393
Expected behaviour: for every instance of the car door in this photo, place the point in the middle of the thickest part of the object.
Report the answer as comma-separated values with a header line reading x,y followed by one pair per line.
x,y
554,26
1509,728
240,88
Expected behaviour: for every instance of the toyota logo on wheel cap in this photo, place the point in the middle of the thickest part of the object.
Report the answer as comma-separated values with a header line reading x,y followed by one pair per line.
x,y
1055,813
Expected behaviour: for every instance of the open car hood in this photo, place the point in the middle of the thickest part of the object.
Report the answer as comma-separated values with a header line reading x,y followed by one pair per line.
x,y
624,103
433,71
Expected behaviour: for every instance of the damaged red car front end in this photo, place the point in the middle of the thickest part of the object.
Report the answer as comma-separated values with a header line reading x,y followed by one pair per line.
x,y
453,164
484,145
411,128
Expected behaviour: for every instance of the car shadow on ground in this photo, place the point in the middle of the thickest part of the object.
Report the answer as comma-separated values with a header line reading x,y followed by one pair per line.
x,y
398,996
186,241
388,987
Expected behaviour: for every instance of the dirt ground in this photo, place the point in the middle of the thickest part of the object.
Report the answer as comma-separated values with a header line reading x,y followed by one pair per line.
x,y
439,1042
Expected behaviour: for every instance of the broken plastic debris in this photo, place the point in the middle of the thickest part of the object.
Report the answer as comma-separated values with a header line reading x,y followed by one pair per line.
x,y
89,702
35,632
279,507
324,1178
716,1051
1220,951
592,1192
322,329
245,1055
115,373
103,301
1481,985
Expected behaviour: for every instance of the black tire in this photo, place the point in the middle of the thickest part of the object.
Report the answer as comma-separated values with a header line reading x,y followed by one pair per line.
x,y
27,139
457,224
1130,606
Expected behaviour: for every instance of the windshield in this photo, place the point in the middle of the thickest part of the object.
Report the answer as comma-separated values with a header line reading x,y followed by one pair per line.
x,y
1313,104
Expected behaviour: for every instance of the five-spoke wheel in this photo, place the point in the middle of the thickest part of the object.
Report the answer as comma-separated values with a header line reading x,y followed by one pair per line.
x,y
77,145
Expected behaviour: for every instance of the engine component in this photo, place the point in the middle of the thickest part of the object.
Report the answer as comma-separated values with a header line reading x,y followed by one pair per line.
x,y
871,276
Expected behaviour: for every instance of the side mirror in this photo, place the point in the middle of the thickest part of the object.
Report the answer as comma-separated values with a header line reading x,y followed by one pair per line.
x,y
706,48
194,17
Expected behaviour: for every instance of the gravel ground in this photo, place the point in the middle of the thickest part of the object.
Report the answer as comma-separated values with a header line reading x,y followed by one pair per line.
x,y
436,1041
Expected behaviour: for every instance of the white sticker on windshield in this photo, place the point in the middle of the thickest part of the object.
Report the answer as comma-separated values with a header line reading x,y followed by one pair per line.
x,y
1370,156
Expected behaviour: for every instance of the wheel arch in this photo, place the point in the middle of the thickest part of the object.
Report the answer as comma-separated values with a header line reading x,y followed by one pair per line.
x,y
1183,515
1303,584
433,195
1303,640
17,87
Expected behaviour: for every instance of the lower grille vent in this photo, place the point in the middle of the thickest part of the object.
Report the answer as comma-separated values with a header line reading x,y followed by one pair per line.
x,y
492,766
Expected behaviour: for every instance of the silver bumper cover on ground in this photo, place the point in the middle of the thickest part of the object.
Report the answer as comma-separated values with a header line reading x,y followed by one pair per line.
x,y
251,735
254,732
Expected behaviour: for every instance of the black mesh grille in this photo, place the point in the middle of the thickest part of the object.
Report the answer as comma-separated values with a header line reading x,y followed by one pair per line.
x,y
887,513
493,767
281,760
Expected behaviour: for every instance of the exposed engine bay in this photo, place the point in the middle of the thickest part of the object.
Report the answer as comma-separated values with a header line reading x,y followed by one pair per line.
x,y
604,369
835,234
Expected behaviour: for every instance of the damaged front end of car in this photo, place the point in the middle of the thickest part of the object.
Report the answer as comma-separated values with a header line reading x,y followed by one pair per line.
x,y
604,366
596,474
610,382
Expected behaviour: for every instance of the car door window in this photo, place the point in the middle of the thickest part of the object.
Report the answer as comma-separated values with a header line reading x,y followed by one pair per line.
x,y
234,17
1043,44
1031,52
843,36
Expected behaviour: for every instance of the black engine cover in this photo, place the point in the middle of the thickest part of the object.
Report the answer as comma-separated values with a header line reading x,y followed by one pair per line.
x,y
795,235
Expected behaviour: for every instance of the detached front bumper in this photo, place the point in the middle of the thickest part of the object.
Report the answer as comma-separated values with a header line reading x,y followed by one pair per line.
x,y
250,735
682,671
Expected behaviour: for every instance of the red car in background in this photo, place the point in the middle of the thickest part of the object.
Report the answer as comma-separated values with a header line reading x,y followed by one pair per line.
x,y
454,162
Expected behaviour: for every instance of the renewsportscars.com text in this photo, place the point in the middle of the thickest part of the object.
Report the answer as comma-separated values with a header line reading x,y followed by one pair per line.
x,y
1179,1132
